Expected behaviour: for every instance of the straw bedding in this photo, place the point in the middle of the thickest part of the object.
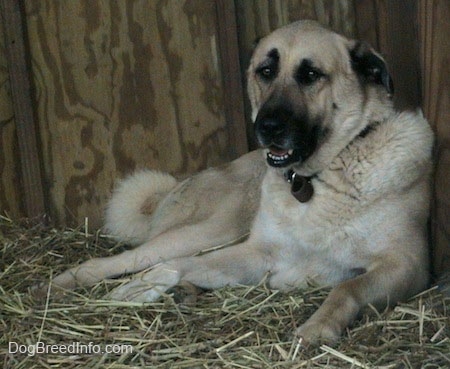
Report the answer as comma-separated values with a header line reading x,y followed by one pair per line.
x,y
243,327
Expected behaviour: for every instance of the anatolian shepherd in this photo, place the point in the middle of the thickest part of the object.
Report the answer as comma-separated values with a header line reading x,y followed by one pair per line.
x,y
339,192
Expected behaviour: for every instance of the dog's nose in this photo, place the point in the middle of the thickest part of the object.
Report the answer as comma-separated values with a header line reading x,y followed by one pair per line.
x,y
270,127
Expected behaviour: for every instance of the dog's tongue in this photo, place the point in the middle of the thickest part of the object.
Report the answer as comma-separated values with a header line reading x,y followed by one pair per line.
x,y
277,152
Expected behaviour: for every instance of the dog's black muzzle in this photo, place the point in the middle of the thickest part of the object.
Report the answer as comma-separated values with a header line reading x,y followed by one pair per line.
x,y
286,135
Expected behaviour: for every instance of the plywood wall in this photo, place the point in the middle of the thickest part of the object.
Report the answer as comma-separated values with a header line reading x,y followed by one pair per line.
x,y
434,21
122,85
10,194
256,18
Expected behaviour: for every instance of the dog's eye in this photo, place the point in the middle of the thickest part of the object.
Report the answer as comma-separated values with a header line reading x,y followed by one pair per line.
x,y
307,74
308,77
267,73
267,70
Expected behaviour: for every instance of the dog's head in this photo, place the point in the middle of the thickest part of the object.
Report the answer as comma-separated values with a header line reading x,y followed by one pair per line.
x,y
312,92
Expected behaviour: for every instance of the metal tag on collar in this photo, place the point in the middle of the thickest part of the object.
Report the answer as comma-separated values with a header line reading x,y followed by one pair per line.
x,y
301,187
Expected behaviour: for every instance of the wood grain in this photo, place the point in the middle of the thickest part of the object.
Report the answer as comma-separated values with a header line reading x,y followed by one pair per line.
x,y
124,85
9,161
390,26
12,16
434,21
231,73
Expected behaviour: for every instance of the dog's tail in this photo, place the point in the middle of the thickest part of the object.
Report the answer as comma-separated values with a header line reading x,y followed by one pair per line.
x,y
133,201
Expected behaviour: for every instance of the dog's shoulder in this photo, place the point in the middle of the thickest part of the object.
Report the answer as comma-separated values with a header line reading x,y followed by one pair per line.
x,y
405,143
391,157
406,133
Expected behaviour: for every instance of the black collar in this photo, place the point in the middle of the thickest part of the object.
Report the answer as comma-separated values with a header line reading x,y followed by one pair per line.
x,y
371,127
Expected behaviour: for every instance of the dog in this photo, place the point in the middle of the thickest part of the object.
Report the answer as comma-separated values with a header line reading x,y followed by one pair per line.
x,y
338,193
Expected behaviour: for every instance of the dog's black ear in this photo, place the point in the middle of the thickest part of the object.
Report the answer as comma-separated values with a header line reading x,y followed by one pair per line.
x,y
371,66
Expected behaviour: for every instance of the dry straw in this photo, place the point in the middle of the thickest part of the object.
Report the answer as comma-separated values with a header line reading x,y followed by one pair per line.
x,y
243,327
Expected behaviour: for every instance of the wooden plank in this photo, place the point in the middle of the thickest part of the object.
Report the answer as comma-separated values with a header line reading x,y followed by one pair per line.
x,y
231,76
402,36
125,85
10,194
367,22
17,56
390,27
434,22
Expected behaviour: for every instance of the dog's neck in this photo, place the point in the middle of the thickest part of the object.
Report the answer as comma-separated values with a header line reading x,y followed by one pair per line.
x,y
301,187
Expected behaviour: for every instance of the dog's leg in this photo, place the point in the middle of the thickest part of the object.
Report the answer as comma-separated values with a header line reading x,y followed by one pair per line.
x,y
180,242
387,282
238,264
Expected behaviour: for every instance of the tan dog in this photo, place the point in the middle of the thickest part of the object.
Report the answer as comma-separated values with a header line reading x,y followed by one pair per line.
x,y
343,199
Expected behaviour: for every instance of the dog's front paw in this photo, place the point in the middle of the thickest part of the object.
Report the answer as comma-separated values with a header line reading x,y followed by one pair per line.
x,y
44,290
39,291
185,293
313,331
146,287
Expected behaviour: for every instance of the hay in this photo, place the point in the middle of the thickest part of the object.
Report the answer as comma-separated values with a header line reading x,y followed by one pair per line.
x,y
229,328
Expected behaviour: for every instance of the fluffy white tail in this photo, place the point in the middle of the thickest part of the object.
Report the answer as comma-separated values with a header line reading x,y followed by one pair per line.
x,y
133,201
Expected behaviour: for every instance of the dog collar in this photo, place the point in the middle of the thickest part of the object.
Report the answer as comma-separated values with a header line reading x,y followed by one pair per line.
x,y
301,187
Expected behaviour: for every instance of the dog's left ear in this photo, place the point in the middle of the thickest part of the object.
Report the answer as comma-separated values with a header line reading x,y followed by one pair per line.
x,y
371,66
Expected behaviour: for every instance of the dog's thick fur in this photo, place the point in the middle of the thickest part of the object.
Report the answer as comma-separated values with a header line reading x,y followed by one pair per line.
x,y
322,107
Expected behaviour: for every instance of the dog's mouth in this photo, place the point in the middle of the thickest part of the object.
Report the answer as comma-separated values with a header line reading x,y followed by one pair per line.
x,y
279,158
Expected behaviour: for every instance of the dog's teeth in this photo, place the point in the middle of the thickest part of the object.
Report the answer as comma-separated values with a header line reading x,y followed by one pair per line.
x,y
290,152
274,156
279,157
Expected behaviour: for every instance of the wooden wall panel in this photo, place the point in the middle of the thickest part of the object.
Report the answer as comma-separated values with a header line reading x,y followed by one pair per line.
x,y
10,196
390,26
18,58
257,18
124,85
434,20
